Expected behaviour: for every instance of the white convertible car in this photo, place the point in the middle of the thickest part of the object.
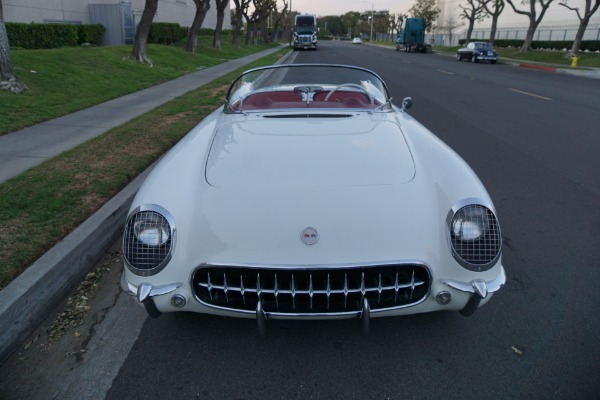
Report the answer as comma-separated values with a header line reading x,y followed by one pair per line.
x,y
310,195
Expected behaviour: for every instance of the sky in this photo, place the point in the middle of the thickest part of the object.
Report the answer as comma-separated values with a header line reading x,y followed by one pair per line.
x,y
556,15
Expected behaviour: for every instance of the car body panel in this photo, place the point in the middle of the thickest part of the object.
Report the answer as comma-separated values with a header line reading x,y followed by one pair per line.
x,y
477,51
378,187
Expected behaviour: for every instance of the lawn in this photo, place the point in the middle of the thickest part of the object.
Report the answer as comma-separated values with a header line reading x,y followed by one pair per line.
x,y
41,206
65,80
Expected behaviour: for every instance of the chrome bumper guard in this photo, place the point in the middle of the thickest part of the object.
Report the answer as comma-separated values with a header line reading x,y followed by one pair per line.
x,y
478,288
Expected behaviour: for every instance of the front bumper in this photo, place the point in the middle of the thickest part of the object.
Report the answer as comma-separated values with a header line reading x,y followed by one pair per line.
x,y
465,297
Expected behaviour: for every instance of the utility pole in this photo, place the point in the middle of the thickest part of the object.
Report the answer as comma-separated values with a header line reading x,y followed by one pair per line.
x,y
371,35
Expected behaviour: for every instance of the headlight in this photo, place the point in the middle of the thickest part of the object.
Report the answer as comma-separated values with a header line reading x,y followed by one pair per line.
x,y
474,235
148,240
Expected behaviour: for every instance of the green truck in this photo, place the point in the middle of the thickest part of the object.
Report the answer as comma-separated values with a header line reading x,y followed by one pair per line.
x,y
412,36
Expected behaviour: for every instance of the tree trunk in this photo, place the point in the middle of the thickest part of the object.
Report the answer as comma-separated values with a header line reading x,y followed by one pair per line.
x,y
529,37
143,30
579,36
8,80
221,6
202,7
493,29
470,28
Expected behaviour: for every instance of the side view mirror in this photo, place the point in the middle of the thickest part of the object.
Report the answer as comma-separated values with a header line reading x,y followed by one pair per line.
x,y
407,103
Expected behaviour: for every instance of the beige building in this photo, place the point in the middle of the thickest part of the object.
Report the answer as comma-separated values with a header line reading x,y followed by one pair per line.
x,y
118,16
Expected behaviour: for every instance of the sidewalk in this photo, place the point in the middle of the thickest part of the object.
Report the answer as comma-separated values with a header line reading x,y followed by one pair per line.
x,y
26,301
31,146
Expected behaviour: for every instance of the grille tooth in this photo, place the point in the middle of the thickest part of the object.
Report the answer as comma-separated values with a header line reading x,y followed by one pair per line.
x,y
225,287
209,284
379,290
293,287
242,289
276,292
328,289
312,291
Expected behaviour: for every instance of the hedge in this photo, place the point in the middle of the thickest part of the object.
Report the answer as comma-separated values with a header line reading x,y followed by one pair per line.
x,y
590,45
171,33
48,36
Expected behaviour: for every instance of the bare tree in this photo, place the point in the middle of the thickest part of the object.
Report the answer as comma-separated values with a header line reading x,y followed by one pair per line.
x,y
475,11
202,7
221,6
534,19
497,6
143,30
8,79
396,22
584,20
448,28
241,8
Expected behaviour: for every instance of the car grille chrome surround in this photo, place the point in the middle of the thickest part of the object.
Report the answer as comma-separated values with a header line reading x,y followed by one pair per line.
x,y
308,291
143,259
480,254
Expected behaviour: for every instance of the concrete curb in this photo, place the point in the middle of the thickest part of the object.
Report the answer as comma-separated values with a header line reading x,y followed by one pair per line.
x,y
27,300
32,295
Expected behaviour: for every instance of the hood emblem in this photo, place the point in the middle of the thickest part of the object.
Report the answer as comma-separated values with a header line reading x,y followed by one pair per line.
x,y
309,236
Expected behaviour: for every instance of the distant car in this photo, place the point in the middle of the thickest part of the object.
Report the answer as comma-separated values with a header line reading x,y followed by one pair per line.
x,y
309,195
356,40
478,51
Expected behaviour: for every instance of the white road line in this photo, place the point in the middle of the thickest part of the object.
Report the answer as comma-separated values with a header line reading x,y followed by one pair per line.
x,y
445,72
530,94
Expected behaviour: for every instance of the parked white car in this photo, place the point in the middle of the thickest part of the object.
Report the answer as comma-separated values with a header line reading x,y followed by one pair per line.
x,y
310,195
356,40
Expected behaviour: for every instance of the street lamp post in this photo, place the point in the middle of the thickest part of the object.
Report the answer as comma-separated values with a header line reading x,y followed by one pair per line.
x,y
371,35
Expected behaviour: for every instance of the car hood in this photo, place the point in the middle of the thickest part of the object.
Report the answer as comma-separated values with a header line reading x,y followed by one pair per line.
x,y
303,152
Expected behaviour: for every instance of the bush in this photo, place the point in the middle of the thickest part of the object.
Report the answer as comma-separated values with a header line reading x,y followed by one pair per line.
x,y
91,34
48,36
166,33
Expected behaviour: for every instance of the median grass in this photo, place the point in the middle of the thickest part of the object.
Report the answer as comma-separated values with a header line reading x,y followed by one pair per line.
x,y
41,206
65,80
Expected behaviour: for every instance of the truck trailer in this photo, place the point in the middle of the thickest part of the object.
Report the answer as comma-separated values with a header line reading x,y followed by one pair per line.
x,y
305,32
412,36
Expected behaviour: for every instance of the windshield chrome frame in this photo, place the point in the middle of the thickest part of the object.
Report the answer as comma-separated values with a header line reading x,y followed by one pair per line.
x,y
227,106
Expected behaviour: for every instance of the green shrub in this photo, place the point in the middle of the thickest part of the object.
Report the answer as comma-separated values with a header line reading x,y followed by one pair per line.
x,y
91,34
48,36
166,33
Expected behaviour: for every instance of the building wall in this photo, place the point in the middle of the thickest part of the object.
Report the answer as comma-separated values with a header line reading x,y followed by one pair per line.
x,y
77,11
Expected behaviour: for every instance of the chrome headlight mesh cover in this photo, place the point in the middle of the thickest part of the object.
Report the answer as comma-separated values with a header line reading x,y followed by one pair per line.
x,y
474,235
148,239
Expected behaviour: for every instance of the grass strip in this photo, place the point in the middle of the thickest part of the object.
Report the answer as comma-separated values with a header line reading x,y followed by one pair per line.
x,y
556,58
62,81
41,206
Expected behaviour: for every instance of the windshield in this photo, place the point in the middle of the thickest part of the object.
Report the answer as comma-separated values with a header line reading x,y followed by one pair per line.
x,y
483,46
312,86
305,25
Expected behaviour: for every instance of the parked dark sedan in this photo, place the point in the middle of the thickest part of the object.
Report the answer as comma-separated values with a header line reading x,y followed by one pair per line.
x,y
477,51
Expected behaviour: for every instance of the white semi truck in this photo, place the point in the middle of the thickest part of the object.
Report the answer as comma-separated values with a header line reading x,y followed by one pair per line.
x,y
305,32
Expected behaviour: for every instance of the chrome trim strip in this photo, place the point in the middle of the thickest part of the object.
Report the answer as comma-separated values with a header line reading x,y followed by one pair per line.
x,y
479,287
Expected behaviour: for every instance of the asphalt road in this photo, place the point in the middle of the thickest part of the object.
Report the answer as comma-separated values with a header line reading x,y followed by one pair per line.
x,y
533,139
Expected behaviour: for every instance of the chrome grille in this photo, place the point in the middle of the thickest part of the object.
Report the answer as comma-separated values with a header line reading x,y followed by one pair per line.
x,y
311,290
304,39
